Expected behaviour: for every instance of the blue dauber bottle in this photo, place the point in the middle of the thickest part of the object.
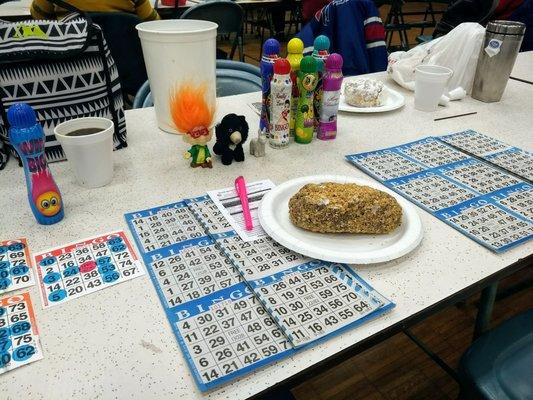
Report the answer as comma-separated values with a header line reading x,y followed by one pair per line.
x,y
27,137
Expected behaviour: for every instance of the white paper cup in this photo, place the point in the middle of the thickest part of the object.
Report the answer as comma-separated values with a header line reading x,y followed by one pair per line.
x,y
89,156
178,51
430,82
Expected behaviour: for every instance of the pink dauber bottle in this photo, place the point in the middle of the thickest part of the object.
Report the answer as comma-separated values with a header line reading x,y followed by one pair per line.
x,y
331,90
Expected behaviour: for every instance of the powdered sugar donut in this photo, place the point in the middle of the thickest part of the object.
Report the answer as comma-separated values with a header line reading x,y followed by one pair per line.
x,y
364,93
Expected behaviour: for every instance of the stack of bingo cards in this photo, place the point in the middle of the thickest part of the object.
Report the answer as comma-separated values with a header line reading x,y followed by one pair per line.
x,y
84,267
15,266
19,337
476,184
237,304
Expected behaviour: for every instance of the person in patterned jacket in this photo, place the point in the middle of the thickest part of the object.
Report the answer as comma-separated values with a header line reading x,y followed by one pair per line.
x,y
44,9
355,31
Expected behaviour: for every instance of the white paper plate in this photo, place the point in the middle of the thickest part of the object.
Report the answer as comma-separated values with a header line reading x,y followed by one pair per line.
x,y
338,247
393,100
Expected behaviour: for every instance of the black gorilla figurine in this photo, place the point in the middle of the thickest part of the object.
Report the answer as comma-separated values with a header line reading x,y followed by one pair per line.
x,y
231,134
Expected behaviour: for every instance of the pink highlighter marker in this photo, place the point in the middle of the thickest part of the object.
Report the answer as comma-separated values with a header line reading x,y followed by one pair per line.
x,y
240,188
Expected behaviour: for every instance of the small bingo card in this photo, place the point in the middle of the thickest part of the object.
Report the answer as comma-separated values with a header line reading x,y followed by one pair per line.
x,y
19,337
236,304
511,158
15,265
479,199
84,267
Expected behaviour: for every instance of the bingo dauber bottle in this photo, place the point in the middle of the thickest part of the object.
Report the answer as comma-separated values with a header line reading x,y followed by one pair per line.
x,y
280,107
305,120
270,54
295,49
331,90
321,54
27,137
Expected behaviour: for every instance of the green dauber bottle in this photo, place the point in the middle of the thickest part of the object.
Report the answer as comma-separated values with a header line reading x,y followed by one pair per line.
x,y
305,117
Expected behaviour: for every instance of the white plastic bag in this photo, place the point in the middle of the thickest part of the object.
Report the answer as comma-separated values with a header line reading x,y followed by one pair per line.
x,y
458,50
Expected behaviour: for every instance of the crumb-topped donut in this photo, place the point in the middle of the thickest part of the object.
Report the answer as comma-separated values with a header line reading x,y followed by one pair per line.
x,y
364,93
344,208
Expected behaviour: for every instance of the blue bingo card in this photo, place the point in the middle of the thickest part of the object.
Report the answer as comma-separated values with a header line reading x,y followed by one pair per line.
x,y
19,336
235,306
483,201
513,159
15,265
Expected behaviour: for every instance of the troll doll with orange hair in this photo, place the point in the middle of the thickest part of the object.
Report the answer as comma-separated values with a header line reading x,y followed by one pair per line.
x,y
193,116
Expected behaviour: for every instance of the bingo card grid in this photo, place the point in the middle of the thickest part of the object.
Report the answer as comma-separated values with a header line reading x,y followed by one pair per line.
x,y
15,265
84,267
230,339
446,190
187,273
19,336
163,226
494,151
318,299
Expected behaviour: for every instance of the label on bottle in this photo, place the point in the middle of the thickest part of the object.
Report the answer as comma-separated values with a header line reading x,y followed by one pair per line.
x,y
281,88
493,47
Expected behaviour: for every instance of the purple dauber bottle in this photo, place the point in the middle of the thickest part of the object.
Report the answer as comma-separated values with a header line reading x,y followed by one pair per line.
x,y
331,90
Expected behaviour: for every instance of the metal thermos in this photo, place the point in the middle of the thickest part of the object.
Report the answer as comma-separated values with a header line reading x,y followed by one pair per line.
x,y
496,59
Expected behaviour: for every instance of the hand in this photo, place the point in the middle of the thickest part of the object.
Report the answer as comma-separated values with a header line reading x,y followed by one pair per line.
x,y
208,159
186,155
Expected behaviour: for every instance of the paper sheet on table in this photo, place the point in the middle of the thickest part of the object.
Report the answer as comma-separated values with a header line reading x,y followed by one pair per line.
x,y
229,204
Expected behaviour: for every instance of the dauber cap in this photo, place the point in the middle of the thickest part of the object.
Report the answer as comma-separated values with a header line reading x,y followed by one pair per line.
x,y
271,46
334,61
321,43
308,65
282,66
21,115
295,46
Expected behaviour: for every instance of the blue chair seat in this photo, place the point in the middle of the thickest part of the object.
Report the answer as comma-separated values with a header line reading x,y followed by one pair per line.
x,y
499,365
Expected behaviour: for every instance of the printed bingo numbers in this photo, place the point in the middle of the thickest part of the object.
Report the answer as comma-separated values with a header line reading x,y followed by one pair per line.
x,y
19,337
15,265
74,270
476,197
494,151
235,305
318,298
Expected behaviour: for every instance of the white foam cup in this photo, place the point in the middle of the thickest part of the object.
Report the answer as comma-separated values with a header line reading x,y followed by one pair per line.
x,y
90,156
430,83
178,51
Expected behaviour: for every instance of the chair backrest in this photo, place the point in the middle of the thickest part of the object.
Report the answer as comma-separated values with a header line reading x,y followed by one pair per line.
x,y
125,46
233,77
227,14
239,66
461,11
231,82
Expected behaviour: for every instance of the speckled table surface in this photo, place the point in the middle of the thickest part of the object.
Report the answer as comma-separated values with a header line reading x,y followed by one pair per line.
x,y
523,67
117,343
